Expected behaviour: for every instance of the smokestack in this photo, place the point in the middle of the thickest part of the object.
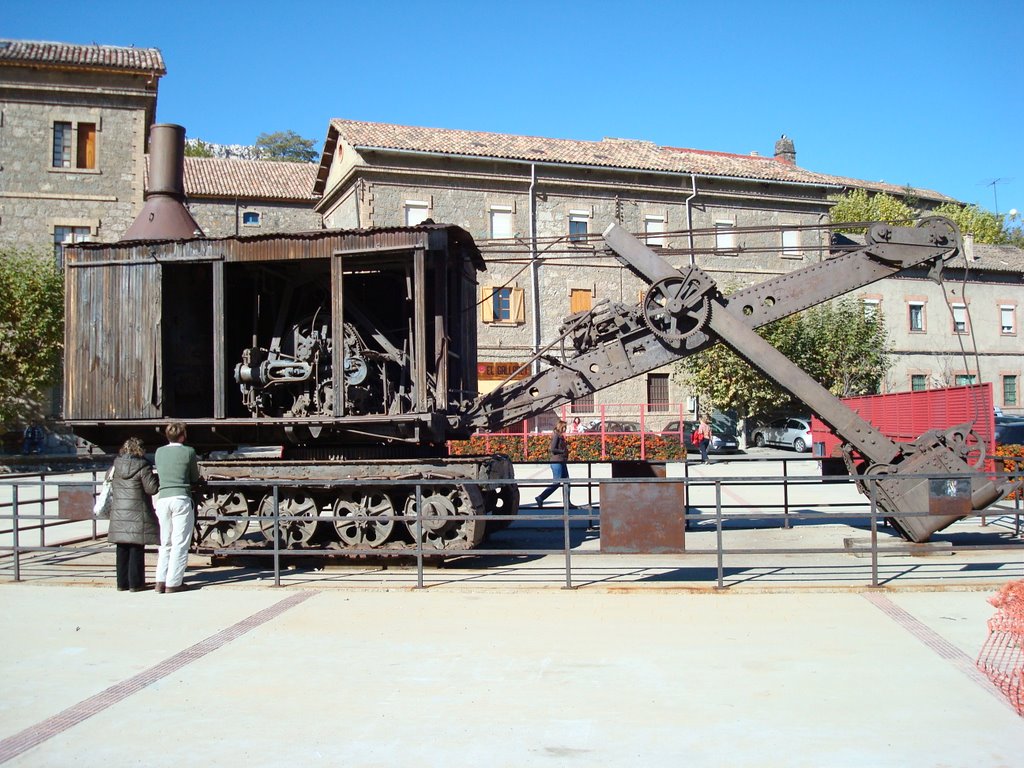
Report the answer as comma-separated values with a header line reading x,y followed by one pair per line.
x,y
785,151
164,216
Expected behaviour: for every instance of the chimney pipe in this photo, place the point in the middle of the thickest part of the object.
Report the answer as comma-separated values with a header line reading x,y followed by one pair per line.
x,y
164,216
785,150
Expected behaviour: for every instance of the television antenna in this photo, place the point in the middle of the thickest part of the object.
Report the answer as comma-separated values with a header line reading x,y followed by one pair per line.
x,y
995,195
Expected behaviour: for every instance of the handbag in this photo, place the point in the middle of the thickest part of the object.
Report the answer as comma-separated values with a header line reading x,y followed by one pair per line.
x,y
101,507
695,437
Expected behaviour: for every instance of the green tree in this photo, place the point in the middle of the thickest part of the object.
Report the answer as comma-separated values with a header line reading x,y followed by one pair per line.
x,y
837,344
285,145
986,226
857,205
31,331
198,148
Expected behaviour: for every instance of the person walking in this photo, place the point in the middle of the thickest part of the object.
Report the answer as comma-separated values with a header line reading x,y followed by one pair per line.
x,y
704,433
559,455
178,470
133,523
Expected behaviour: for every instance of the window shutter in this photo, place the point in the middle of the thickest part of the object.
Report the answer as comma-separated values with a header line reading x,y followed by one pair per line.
x,y
518,305
580,299
487,304
86,145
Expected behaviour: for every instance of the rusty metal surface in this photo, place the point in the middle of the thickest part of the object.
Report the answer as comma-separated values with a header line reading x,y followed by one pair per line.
x,y
154,330
164,215
75,502
643,518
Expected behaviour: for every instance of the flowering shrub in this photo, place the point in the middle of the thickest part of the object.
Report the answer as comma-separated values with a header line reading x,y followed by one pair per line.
x,y
1011,465
581,447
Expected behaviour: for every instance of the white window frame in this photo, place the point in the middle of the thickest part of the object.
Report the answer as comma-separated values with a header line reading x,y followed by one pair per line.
x,y
1008,319
872,308
654,231
498,213
725,235
72,236
414,207
959,317
911,306
792,245
578,216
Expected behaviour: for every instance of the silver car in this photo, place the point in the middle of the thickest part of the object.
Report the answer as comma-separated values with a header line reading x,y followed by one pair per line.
x,y
786,432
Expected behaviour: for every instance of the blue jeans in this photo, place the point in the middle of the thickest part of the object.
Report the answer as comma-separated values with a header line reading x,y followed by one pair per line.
x,y
559,470
704,449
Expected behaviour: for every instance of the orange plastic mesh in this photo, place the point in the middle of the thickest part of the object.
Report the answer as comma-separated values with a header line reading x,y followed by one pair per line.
x,y
1002,656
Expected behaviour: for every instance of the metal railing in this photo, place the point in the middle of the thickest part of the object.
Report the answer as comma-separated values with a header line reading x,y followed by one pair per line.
x,y
723,516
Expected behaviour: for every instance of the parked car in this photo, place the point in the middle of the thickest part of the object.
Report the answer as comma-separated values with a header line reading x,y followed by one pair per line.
x,y
785,432
1010,432
720,441
614,426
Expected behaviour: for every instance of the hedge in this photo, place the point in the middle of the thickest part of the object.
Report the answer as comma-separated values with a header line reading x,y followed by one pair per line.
x,y
581,447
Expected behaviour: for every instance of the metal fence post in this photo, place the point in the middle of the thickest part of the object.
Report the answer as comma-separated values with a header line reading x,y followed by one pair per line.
x,y
785,494
565,533
874,533
42,510
420,531
718,533
17,524
277,537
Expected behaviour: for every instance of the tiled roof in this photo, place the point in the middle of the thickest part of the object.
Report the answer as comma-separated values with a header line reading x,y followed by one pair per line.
x,y
998,258
261,179
60,55
631,154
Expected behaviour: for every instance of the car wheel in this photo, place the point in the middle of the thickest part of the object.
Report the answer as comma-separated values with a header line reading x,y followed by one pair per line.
x,y
759,440
799,445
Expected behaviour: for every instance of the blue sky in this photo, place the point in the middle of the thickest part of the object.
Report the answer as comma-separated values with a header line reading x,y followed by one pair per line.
x,y
928,93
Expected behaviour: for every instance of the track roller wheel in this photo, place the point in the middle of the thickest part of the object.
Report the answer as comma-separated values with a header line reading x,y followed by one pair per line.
x,y
363,517
211,532
293,502
439,517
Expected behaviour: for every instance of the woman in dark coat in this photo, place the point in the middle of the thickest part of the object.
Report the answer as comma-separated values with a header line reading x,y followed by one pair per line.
x,y
133,523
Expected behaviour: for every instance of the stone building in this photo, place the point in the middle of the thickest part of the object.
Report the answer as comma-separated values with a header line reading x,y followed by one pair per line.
x,y
74,122
964,330
246,197
537,207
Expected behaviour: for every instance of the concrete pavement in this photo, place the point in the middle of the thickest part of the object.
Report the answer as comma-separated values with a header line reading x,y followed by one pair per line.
x,y
254,676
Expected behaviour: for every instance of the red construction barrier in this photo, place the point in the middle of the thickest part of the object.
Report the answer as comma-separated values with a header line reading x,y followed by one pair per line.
x,y
1002,655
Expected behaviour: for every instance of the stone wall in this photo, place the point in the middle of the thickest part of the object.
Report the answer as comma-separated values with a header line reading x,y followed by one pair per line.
x,y
225,218
34,196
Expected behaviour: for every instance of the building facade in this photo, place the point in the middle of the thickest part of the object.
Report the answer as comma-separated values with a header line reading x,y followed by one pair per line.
x,y
962,330
537,208
74,121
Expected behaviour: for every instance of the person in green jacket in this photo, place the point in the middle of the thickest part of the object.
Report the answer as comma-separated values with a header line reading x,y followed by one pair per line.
x,y
178,470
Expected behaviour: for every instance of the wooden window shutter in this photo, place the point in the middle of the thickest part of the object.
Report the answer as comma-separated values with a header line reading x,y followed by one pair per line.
x,y
487,303
86,145
518,305
580,299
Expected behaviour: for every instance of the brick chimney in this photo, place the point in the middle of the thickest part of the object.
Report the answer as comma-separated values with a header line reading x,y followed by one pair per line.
x,y
785,152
